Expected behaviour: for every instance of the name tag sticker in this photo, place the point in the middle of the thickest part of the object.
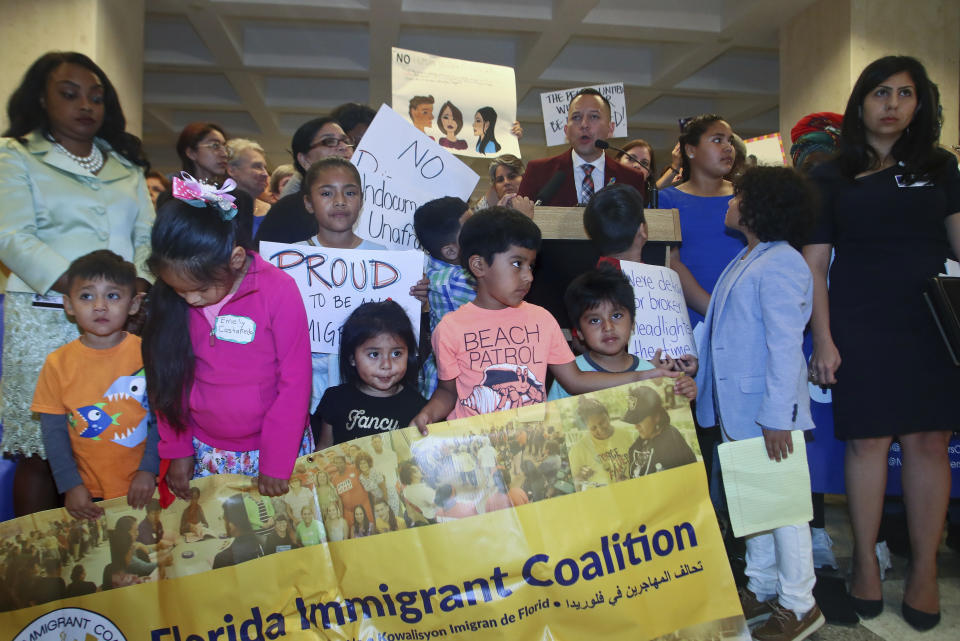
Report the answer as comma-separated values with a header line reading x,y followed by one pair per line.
x,y
901,182
235,329
47,302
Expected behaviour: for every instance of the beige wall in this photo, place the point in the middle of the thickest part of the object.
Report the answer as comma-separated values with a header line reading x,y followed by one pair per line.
x,y
109,31
814,63
824,49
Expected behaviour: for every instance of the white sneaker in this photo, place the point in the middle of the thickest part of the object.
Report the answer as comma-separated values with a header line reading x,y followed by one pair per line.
x,y
883,559
822,549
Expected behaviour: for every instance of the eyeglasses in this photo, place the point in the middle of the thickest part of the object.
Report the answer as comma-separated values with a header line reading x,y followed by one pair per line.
x,y
331,141
214,146
643,163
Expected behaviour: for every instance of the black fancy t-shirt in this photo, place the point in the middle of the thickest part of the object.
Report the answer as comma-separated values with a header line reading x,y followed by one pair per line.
x,y
354,414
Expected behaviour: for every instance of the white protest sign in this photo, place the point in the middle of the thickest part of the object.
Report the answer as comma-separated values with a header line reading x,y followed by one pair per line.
x,y
401,169
768,150
556,103
467,107
662,321
334,282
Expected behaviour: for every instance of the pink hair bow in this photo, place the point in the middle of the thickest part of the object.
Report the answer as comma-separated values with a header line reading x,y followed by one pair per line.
x,y
193,192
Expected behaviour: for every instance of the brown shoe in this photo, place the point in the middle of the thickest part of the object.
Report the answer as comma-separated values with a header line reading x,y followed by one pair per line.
x,y
755,610
783,625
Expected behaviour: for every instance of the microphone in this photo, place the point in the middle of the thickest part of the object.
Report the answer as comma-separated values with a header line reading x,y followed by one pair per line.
x,y
551,188
653,196
603,144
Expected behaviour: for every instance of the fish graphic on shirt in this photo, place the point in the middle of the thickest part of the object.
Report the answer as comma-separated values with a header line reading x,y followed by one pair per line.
x,y
133,436
130,387
97,420
133,386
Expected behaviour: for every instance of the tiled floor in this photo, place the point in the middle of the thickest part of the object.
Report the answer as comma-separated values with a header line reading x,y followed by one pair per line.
x,y
890,626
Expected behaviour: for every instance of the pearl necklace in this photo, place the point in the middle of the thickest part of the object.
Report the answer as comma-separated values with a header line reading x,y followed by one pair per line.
x,y
92,163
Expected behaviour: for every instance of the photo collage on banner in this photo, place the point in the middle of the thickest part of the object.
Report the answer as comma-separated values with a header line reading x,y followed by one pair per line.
x,y
489,484
467,107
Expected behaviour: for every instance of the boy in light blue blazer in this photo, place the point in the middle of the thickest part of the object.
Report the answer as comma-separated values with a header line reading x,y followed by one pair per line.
x,y
753,379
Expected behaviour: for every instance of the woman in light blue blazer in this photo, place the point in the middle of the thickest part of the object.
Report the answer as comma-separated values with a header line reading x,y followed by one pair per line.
x,y
753,377
71,182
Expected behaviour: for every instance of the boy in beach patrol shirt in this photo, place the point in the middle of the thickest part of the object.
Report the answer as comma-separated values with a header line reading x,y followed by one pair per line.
x,y
493,353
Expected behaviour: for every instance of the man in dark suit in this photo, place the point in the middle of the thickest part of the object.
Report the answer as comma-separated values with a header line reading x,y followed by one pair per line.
x,y
585,168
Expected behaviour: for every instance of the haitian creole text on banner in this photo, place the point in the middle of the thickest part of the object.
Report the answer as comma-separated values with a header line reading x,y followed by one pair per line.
x,y
461,534
467,107
556,103
334,282
401,169
662,321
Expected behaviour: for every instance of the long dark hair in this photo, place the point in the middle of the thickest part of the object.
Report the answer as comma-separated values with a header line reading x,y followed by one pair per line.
x,y
489,116
25,110
190,137
373,319
692,131
917,145
195,242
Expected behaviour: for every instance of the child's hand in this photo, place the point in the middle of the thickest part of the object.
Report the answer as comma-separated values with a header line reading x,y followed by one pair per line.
x,y
421,420
662,361
778,442
141,489
688,364
657,373
521,203
686,386
178,477
421,289
272,486
80,505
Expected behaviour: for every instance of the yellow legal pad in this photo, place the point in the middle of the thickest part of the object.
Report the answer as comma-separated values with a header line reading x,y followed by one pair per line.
x,y
763,494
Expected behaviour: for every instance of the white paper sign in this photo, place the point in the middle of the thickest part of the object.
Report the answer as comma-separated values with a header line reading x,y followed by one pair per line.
x,y
662,321
334,282
556,103
401,169
467,107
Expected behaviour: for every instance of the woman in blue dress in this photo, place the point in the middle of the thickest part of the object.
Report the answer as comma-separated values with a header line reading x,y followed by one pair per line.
x,y
707,155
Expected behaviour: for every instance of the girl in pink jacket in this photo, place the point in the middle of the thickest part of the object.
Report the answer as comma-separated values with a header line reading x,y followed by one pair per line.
x,y
226,349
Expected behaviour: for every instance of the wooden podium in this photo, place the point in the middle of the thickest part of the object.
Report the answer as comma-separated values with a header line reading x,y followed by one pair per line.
x,y
566,223
566,251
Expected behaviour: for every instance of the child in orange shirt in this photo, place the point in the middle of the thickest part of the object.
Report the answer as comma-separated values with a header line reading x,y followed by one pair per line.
x,y
92,396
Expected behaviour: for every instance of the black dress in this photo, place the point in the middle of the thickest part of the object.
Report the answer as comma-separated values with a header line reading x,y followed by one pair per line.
x,y
889,240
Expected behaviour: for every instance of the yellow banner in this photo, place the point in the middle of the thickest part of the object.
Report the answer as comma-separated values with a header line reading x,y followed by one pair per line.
x,y
613,541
